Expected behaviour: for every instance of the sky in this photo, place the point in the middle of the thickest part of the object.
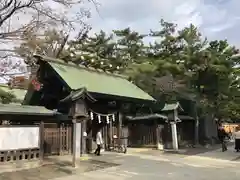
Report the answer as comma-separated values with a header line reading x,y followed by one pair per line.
x,y
216,19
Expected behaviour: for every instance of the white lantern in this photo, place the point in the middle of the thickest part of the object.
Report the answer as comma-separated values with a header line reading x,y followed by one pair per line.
x,y
113,117
107,119
91,115
99,119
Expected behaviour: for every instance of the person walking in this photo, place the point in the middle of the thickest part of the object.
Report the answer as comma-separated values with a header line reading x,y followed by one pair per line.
x,y
99,142
237,139
222,135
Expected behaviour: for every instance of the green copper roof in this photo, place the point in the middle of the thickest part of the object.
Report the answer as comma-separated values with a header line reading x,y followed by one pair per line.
x,y
17,109
147,117
19,93
96,81
170,107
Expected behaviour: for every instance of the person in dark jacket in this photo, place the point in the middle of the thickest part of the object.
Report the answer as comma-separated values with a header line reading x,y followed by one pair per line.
x,y
222,135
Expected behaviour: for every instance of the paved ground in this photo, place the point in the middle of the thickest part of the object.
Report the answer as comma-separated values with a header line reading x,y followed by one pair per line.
x,y
56,168
139,166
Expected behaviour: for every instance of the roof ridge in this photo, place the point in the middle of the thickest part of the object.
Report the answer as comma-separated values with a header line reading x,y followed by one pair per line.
x,y
72,64
6,86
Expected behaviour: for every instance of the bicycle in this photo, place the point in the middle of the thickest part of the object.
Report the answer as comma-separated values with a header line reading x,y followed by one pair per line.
x,y
118,148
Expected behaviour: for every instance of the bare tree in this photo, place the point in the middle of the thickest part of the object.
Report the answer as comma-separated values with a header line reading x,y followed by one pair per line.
x,y
51,44
18,17
25,22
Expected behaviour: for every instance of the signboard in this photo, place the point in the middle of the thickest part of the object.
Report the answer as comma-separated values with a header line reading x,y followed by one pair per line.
x,y
14,138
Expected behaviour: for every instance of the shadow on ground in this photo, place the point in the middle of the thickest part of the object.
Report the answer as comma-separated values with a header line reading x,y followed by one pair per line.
x,y
187,152
212,152
53,168
193,151
237,159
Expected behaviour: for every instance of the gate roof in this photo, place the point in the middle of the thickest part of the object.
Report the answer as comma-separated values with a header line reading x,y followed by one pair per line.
x,y
17,109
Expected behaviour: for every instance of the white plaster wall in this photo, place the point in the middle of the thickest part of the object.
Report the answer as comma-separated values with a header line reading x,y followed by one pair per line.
x,y
14,138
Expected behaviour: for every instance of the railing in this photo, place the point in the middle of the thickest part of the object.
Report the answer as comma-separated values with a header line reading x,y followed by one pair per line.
x,y
16,155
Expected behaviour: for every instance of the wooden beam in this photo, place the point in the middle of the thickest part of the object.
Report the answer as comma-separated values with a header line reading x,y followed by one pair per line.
x,y
120,116
110,133
157,134
196,139
41,141
60,139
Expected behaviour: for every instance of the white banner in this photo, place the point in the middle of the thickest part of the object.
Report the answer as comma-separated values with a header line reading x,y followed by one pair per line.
x,y
13,138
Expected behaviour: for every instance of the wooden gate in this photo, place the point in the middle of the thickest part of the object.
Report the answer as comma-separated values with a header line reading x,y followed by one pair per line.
x,y
57,139
142,135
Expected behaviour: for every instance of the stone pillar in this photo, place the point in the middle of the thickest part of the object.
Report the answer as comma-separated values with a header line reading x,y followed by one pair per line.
x,y
74,144
83,127
196,139
78,139
157,135
174,135
174,130
159,143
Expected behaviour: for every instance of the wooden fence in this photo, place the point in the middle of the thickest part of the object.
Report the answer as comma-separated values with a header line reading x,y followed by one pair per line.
x,y
142,135
57,139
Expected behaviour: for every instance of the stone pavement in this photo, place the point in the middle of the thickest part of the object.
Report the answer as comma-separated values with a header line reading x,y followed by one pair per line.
x,y
204,153
137,165
56,167
229,155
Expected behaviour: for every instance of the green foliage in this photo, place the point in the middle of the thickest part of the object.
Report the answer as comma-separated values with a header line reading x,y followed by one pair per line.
x,y
204,71
6,97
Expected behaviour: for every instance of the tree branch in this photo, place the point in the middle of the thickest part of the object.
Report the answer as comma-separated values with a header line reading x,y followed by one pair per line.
x,y
16,6
43,15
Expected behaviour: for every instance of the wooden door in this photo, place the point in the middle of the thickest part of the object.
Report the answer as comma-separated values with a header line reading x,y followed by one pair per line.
x,y
57,139
142,135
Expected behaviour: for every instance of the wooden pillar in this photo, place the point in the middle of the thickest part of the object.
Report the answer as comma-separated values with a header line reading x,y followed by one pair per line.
x,y
105,133
157,137
119,127
196,132
196,139
60,139
41,135
110,133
